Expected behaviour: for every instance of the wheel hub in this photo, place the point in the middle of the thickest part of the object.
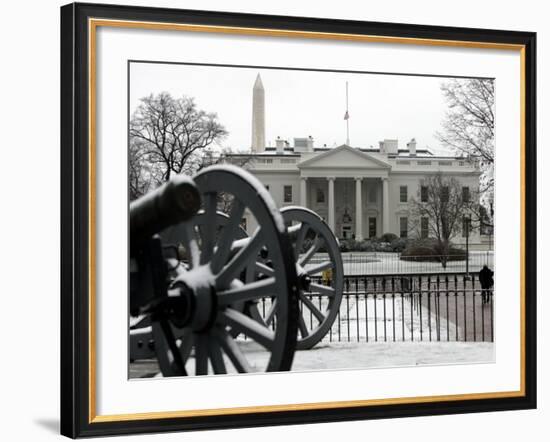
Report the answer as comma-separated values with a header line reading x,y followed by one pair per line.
x,y
200,286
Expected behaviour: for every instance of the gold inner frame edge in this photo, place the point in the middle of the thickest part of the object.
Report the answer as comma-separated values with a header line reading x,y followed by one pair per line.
x,y
93,24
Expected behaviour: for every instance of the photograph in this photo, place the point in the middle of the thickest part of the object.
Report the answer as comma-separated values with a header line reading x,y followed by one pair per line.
x,y
300,219
275,220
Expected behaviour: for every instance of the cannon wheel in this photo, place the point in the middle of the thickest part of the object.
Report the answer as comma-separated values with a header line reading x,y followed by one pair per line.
x,y
322,281
141,336
214,275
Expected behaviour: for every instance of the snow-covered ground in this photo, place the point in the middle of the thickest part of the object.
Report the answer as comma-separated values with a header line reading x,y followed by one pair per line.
x,y
340,355
367,263
354,355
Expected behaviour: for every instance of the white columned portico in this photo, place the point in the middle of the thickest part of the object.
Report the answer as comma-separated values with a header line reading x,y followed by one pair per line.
x,y
385,206
358,210
331,203
303,191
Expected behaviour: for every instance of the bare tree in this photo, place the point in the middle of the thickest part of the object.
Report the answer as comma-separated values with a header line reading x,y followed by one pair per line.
x,y
444,206
168,136
469,126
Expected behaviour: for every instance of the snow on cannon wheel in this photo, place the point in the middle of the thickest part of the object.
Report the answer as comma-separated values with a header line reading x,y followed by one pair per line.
x,y
321,283
216,337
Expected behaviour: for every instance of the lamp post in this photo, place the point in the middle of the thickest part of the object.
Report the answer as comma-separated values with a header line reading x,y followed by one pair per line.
x,y
467,231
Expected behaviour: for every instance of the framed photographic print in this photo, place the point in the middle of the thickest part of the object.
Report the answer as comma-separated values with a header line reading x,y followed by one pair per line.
x,y
273,220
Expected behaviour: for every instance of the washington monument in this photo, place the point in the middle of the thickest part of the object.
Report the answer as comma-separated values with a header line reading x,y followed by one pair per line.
x,y
258,116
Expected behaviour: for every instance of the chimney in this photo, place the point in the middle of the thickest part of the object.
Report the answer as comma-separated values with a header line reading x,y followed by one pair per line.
x,y
388,147
310,143
280,145
411,145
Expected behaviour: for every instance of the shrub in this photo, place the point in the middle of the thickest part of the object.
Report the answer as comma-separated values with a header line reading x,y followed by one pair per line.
x,y
389,237
429,250
399,244
348,245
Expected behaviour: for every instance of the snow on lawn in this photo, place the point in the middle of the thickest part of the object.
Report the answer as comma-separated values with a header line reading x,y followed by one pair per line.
x,y
383,318
378,263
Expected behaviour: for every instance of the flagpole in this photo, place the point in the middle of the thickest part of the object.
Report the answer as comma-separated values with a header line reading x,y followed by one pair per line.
x,y
347,114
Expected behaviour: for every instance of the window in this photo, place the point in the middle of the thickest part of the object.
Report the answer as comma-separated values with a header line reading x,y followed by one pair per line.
x,y
372,227
287,192
424,194
403,226
445,194
424,229
403,197
466,226
466,194
371,194
320,195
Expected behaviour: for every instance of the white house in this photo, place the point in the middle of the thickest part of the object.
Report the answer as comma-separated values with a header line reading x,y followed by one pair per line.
x,y
360,192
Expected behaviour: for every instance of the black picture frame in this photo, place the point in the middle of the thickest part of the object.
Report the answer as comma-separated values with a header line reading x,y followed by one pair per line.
x,y
77,419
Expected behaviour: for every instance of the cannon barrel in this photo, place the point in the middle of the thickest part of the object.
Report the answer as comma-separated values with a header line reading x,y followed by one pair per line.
x,y
175,201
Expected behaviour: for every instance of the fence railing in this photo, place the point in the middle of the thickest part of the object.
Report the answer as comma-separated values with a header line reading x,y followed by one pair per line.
x,y
386,308
376,263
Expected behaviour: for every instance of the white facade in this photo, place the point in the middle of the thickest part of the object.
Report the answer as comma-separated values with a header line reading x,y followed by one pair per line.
x,y
357,191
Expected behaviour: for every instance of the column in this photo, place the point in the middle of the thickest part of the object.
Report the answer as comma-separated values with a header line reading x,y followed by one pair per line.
x,y
303,192
385,206
331,203
358,210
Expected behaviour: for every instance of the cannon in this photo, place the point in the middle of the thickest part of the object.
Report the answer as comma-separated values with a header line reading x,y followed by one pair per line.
x,y
207,298
186,306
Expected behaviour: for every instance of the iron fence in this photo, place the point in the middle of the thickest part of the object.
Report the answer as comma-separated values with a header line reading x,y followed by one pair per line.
x,y
376,263
418,307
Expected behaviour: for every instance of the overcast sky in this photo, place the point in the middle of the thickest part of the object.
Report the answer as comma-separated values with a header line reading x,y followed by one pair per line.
x,y
303,103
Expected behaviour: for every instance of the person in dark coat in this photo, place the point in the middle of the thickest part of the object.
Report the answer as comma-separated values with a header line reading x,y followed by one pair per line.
x,y
487,282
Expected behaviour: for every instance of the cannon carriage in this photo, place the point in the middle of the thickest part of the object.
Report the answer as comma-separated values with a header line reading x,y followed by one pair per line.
x,y
205,297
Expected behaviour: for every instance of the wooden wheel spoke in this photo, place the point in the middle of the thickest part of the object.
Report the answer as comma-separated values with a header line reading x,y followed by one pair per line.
x,y
233,351
271,313
301,235
304,259
312,307
262,268
248,326
302,327
175,360
247,292
293,230
239,261
322,289
186,346
208,229
216,357
192,245
318,268
254,313
227,236
201,354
